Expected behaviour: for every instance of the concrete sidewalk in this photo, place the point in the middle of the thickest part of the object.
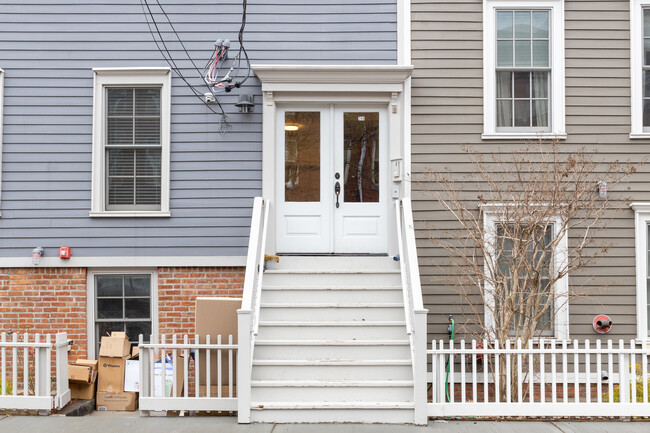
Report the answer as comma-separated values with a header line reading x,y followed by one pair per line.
x,y
131,423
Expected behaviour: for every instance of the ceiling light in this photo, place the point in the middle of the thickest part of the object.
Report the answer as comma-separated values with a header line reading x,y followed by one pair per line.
x,y
291,127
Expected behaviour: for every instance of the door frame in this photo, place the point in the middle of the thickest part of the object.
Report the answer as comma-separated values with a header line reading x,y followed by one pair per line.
x,y
326,84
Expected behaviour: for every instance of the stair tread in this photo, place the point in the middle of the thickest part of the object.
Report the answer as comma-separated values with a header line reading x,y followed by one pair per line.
x,y
330,305
314,362
329,342
333,405
331,383
275,287
332,271
328,324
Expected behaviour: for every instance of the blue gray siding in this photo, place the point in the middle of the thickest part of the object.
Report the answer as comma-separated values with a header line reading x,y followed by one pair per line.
x,y
48,50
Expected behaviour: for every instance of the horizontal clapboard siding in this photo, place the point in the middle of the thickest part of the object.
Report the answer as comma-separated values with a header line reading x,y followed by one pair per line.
x,y
48,50
448,112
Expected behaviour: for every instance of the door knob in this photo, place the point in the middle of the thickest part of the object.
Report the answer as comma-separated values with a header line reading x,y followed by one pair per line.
x,y
337,191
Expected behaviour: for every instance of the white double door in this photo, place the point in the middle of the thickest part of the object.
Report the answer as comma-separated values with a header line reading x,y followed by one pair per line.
x,y
332,188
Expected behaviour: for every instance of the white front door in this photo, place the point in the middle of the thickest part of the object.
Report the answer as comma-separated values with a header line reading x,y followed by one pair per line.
x,y
333,193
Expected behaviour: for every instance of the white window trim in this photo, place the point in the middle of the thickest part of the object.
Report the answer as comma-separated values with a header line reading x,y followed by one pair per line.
x,y
560,290
556,105
129,77
636,66
90,302
641,221
2,104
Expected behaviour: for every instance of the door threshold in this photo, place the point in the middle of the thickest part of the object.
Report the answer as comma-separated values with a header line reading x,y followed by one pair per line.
x,y
332,254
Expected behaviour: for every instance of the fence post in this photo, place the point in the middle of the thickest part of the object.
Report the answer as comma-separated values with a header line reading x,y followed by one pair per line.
x,y
244,367
420,367
62,386
145,365
41,370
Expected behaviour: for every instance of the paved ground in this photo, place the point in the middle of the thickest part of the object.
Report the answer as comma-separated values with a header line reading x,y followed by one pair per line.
x,y
131,423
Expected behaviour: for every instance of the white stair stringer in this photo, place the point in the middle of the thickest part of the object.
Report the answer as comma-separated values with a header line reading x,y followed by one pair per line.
x,y
332,343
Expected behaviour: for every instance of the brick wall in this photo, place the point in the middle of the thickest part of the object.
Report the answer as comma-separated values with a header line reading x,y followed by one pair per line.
x,y
47,301
179,287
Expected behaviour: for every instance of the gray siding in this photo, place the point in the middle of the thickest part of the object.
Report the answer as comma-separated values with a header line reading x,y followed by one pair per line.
x,y
448,111
48,49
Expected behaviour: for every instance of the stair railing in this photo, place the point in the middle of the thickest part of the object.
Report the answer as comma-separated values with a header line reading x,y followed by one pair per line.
x,y
415,314
248,315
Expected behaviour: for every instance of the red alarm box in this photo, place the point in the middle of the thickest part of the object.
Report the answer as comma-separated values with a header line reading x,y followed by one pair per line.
x,y
65,253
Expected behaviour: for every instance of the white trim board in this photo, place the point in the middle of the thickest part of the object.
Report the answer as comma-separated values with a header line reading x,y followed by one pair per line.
x,y
128,261
641,221
2,104
90,302
636,69
556,106
105,77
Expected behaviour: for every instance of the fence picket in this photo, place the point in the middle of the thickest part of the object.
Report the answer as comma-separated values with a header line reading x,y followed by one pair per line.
x,y
576,372
4,364
231,365
599,372
486,371
497,372
633,372
587,372
610,371
474,378
14,370
644,373
508,372
519,374
553,373
542,371
452,385
462,371
186,362
565,372
174,368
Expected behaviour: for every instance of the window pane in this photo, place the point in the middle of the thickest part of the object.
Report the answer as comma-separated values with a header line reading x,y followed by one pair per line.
x,y
147,131
108,285
119,130
522,113
137,285
134,329
361,157
119,102
147,190
540,24
646,22
147,102
137,308
540,84
522,53
105,328
120,162
504,24
108,308
504,53
646,51
540,113
646,84
540,53
522,84
120,190
522,24
504,85
302,156
646,112
504,113
147,162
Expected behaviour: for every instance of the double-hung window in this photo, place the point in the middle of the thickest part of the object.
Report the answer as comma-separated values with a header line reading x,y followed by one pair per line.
x,y
640,68
131,142
518,294
523,69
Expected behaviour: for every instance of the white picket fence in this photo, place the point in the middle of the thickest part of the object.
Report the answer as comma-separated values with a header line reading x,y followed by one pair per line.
x,y
543,378
27,366
156,396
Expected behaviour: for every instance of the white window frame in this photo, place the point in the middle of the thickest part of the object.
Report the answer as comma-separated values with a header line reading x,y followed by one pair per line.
x,y
2,104
91,298
560,289
556,103
104,77
636,68
641,221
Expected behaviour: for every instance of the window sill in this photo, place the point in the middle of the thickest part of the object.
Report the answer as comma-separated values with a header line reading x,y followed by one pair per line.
x,y
639,135
524,136
130,214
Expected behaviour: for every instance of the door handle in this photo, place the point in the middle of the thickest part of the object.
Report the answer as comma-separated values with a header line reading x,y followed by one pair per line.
x,y
337,191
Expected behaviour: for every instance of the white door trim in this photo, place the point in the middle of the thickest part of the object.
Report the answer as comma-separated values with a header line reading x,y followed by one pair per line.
x,y
354,84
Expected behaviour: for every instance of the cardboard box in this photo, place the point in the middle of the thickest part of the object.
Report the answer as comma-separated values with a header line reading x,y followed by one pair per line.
x,y
135,352
82,377
116,345
214,389
83,391
111,374
216,316
123,401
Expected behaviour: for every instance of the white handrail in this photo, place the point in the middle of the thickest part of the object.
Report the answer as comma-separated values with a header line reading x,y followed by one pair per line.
x,y
248,315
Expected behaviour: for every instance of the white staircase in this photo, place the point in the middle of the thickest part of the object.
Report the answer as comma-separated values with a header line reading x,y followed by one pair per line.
x,y
332,343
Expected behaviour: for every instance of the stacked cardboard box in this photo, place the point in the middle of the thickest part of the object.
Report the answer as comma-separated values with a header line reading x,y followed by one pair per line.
x,y
82,378
216,316
113,354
